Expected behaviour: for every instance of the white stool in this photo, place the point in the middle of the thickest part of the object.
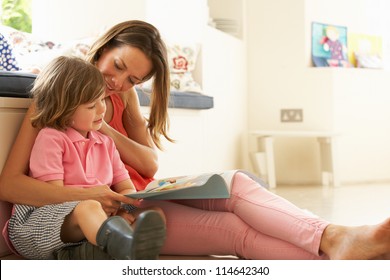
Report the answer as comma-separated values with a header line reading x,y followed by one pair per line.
x,y
263,155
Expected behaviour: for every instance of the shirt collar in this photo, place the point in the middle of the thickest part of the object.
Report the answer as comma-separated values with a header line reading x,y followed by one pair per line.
x,y
75,136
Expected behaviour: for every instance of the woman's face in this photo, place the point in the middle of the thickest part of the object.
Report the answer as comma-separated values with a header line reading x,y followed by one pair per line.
x,y
123,67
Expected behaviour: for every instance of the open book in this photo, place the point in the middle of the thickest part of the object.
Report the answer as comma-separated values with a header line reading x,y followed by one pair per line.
x,y
208,185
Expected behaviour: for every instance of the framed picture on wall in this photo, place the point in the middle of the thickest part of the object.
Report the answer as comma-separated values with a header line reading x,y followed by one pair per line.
x,y
329,45
365,50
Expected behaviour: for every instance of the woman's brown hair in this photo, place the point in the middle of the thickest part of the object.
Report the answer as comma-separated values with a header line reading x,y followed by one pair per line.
x,y
145,37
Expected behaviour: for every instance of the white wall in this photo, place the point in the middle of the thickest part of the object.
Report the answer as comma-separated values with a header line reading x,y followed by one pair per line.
x,y
73,19
178,20
280,76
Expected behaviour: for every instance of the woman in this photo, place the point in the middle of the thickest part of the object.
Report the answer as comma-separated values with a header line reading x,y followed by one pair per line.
x,y
252,224
129,54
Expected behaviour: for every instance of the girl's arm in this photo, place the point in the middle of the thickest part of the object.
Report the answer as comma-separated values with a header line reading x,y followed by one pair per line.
x,y
137,151
126,187
17,187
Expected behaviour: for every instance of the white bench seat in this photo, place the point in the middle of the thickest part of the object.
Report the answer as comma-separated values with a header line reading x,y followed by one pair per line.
x,y
262,155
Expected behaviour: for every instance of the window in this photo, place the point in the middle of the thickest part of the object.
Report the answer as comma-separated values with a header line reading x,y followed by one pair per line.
x,y
16,14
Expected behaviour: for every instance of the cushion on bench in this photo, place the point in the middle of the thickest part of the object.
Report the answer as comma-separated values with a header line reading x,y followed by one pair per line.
x,y
18,84
185,100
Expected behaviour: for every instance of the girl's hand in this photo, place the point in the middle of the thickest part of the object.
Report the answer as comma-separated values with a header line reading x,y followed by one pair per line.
x,y
110,200
130,218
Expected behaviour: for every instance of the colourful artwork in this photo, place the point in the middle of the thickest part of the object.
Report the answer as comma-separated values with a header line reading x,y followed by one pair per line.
x,y
365,50
179,182
329,45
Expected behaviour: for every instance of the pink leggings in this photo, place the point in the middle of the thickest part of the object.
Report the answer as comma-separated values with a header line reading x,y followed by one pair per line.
x,y
252,224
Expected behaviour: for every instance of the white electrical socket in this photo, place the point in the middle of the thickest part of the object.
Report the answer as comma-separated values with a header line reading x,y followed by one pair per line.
x,y
291,115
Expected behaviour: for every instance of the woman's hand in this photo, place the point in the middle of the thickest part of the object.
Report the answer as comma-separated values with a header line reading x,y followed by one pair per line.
x,y
136,148
105,128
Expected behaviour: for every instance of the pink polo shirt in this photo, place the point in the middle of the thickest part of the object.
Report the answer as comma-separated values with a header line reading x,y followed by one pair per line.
x,y
78,161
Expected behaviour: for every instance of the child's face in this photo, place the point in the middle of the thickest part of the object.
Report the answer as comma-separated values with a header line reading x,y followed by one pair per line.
x,y
89,117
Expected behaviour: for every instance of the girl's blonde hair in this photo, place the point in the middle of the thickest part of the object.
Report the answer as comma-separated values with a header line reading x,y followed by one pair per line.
x,y
145,37
63,85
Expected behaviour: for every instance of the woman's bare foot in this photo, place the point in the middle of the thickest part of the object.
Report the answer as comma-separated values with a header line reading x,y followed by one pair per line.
x,y
357,243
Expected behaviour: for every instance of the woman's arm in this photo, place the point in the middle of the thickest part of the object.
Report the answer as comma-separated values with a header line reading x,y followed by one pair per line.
x,y
137,151
17,187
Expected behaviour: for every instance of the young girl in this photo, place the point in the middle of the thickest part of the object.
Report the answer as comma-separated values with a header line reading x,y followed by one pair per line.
x,y
70,152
